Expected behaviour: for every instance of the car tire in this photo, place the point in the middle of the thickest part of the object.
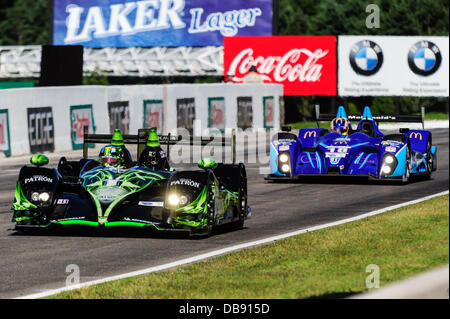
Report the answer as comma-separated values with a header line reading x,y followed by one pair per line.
x,y
242,201
407,175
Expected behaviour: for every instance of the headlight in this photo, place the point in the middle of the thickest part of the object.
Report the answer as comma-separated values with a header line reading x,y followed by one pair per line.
x,y
283,158
389,159
44,197
285,168
173,200
386,170
35,196
183,200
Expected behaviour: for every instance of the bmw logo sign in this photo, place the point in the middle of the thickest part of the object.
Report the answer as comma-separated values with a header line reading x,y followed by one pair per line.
x,y
424,58
366,57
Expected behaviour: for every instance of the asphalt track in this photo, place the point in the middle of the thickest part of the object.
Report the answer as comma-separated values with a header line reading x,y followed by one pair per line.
x,y
31,264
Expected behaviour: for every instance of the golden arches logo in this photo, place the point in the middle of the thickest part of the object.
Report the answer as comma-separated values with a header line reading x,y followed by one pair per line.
x,y
310,133
415,135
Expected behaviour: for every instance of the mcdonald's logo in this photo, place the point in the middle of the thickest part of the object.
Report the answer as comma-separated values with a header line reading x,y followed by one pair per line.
x,y
310,133
415,135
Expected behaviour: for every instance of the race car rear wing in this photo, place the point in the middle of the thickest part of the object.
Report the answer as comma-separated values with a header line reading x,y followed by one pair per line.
x,y
377,118
141,140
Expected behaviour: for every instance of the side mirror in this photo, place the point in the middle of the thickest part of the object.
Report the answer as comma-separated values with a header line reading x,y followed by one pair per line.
x,y
286,128
39,160
207,163
404,130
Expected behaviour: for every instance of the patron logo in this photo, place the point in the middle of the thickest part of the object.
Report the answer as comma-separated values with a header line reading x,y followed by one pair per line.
x,y
40,129
38,178
304,64
185,182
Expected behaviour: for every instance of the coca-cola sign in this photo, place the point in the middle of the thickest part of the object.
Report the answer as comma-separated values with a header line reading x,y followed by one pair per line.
x,y
305,65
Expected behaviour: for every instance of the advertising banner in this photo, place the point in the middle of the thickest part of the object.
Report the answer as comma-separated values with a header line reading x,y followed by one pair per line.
x,y
5,144
393,66
244,112
153,114
146,23
216,113
305,65
41,129
186,114
80,116
119,116
268,105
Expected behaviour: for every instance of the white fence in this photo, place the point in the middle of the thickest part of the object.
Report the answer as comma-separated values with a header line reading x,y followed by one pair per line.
x,y
52,118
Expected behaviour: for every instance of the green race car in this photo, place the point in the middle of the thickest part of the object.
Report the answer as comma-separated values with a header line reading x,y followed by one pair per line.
x,y
114,191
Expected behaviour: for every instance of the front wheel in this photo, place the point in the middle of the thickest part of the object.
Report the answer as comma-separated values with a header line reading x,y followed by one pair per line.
x,y
408,166
429,159
242,201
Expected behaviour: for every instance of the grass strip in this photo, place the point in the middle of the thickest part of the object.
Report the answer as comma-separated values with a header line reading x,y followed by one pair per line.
x,y
325,263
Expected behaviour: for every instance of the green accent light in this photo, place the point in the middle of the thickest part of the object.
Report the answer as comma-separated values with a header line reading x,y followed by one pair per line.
x,y
153,140
117,138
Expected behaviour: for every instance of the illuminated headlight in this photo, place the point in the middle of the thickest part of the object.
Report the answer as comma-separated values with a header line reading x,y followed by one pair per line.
x,y
283,158
35,196
44,197
183,200
386,170
285,168
173,200
389,159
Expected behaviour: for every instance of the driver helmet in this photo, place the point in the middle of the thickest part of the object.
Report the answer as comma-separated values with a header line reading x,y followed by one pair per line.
x,y
340,125
153,156
115,154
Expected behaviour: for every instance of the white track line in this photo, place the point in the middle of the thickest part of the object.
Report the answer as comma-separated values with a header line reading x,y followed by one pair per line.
x,y
224,250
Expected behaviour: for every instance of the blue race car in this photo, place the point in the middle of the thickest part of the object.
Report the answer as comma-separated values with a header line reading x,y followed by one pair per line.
x,y
363,151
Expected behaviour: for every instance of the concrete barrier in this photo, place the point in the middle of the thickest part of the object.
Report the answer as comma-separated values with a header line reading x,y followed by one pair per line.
x,y
429,285
46,119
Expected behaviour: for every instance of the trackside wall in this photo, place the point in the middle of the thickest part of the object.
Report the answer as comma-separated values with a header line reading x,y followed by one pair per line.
x,y
44,119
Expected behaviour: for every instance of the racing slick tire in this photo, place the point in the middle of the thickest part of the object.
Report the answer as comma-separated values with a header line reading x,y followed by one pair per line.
x,y
429,159
408,164
242,201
